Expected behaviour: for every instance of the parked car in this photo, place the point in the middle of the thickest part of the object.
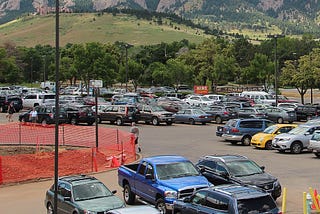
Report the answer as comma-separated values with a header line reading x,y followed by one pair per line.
x,y
119,114
198,100
82,194
314,144
306,112
295,140
232,199
141,209
32,100
78,113
221,113
45,115
263,140
237,169
155,114
242,130
5,101
280,115
251,112
192,116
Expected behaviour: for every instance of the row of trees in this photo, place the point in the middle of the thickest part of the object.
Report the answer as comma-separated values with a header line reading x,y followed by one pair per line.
x,y
216,61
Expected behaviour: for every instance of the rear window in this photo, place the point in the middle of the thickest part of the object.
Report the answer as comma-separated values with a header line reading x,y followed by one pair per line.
x,y
51,96
256,205
231,123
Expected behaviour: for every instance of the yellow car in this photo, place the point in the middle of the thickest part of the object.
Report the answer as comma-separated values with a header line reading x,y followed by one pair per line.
x,y
263,139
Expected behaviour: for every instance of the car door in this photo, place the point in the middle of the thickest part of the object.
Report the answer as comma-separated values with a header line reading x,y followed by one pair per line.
x,y
195,204
214,171
64,206
146,114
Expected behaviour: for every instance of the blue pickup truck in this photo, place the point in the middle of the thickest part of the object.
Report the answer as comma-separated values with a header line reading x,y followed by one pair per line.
x,y
160,180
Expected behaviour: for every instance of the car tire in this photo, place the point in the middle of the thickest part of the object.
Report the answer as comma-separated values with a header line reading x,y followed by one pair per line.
x,y
99,120
246,140
169,123
192,122
90,123
280,120
268,145
155,121
49,208
218,120
73,121
119,121
296,148
161,206
128,196
203,123
317,154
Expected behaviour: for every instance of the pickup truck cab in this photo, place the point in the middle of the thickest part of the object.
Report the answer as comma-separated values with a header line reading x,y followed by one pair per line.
x,y
160,180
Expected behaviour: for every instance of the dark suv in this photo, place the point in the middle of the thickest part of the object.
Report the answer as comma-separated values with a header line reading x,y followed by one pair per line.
x,y
231,199
237,169
242,130
80,114
45,115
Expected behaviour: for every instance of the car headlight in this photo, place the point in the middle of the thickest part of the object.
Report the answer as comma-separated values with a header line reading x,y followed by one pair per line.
x,y
285,139
276,183
170,194
261,139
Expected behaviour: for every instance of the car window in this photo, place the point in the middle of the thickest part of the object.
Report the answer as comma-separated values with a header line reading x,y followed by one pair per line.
x,y
256,205
142,168
209,164
217,202
251,124
64,190
150,170
269,123
243,168
87,191
199,198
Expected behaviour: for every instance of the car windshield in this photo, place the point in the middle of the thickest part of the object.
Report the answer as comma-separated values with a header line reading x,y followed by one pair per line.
x,y
90,191
198,111
157,108
270,129
256,205
299,130
243,168
176,170
204,98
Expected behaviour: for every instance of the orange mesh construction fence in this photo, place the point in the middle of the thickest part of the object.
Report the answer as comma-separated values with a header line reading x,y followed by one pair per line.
x,y
77,150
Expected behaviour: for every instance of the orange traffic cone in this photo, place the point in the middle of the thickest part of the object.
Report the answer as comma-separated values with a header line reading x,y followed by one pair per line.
x,y
115,162
313,206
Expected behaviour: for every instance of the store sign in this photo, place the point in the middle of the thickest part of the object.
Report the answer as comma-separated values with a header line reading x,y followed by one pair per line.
x,y
96,83
201,89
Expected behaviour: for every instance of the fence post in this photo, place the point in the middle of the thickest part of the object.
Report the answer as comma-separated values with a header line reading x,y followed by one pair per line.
x,y
20,133
94,159
1,179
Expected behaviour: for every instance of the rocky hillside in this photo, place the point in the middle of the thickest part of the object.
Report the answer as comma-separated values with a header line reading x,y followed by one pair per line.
x,y
291,16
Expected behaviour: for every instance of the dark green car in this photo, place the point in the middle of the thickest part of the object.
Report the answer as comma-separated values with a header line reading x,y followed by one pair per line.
x,y
82,195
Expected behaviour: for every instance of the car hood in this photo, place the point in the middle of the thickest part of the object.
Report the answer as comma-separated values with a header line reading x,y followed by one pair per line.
x,y
261,135
185,182
101,204
256,179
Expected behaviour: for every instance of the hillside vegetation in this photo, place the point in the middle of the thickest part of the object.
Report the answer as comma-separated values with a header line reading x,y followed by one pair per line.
x,y
92,27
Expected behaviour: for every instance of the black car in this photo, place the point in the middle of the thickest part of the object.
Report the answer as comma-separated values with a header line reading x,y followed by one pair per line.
x,y
5,101
221,113
80,114
237,169
231,199
45,115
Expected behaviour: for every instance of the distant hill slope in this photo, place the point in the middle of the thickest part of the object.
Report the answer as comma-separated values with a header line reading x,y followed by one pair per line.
x,y
291,16
90,27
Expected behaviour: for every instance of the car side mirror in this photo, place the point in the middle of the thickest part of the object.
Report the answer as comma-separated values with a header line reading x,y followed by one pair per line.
x,y
262,167
149,176
114,191
224,174
67,198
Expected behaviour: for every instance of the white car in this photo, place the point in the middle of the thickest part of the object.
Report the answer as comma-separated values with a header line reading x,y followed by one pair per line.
x,y
198,100
314,144
32,100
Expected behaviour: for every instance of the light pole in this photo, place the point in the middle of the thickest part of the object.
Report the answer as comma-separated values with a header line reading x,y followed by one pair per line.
x,y
44,68
127,46
275,37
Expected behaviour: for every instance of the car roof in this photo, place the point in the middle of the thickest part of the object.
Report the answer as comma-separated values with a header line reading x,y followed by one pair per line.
x,y
225,158
239,192
78,179
162,159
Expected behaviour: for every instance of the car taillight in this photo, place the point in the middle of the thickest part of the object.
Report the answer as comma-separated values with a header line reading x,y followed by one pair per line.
x,y
225,113
234,130
201,116
51,115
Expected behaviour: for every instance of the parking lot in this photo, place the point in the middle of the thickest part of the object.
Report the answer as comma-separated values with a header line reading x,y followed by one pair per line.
x,y
295,172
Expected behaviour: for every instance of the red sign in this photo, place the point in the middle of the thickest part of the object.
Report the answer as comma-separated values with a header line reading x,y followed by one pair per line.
x,y
201,89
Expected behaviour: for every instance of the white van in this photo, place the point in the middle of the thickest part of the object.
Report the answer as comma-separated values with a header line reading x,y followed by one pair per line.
x,y
259,97
32,100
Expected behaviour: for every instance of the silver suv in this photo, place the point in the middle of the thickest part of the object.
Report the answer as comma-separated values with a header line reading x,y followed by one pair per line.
x,y
295,140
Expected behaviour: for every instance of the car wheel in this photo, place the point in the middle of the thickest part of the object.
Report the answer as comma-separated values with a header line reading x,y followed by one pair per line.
x,y
155,121
192,122
246,140
218,120
119,121
296,148
99,120
169,123
268,145
203,123
317,154
128,196
161,206
90,123
280,120
49,209
73,121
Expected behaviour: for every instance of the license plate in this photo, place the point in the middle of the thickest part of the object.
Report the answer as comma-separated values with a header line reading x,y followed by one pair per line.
x,y
169,119
220,129
130,118
89,114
